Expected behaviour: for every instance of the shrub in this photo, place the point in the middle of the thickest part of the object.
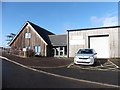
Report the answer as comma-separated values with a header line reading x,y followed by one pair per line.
x,y
30,53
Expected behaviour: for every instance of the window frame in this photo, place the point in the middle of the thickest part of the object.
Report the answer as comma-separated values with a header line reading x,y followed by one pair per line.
x,y
28,35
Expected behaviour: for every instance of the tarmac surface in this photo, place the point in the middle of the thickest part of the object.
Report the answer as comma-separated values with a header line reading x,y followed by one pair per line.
x,y
15,76
40,61
65,67
58,62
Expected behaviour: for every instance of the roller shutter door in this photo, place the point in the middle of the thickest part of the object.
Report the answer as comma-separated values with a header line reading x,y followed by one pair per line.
x,y
101,45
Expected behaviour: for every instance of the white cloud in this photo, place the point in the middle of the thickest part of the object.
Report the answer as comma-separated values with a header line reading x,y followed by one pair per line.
x,y
110,21
107,20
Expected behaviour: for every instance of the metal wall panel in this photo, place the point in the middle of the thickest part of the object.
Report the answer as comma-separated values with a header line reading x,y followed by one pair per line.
x,y
84,37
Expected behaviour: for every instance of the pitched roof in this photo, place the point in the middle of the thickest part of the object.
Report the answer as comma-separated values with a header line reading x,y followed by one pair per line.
x,y
58,40
41,31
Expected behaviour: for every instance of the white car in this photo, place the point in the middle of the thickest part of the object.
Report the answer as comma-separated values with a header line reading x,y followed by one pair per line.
x,y
85,57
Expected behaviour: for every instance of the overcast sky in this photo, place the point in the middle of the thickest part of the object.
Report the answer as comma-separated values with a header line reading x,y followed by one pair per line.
x,y
58,17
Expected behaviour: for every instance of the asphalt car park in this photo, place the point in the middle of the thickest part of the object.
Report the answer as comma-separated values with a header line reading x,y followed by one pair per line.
x,y
100,64
35,62
101,69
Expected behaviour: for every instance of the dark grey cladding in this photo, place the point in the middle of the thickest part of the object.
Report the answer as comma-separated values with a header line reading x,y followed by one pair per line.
x,y
58,40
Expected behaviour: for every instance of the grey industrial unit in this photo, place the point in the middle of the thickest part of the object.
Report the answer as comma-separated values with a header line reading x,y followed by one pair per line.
x,y
105,41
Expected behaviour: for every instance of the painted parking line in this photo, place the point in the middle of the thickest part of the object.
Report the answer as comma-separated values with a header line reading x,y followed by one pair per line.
x,y
114,64
71,64
93,68
111,66
60,76
100,63
107,66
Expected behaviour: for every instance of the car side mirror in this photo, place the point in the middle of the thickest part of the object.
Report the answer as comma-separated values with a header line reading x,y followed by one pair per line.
x,y
95,53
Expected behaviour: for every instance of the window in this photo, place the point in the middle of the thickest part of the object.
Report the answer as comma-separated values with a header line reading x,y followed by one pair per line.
x,y
27,35
85,51
61,48
65,50
61,53
37,49
27,47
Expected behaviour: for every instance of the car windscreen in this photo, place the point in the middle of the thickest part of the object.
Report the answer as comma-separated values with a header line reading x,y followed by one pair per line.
x,y
85,51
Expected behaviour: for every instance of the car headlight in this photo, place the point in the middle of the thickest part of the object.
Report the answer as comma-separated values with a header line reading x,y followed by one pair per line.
x,y
91,57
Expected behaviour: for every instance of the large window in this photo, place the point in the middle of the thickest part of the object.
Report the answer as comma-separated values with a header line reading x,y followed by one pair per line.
x,y
28,35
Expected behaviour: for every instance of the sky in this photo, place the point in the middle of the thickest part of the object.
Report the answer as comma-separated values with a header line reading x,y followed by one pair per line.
x,y
57,17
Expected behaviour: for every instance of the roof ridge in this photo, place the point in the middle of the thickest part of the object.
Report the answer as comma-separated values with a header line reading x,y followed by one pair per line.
x,y
39,27
42,32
